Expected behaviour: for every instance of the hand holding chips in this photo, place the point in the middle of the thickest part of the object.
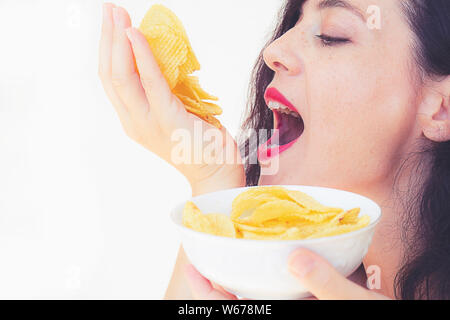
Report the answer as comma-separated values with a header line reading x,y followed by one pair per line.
x,y
173,52
275,213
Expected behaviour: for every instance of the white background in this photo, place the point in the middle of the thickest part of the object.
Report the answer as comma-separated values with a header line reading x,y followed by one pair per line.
x,y
83,209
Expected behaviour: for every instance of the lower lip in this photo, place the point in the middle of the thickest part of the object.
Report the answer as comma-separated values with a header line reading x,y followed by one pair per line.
x,y
265,153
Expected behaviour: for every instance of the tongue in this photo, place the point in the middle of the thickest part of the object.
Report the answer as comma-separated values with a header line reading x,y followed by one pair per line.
x,y
290,128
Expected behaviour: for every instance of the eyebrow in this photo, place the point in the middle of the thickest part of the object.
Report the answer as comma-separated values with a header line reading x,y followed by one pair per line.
x,y
324,4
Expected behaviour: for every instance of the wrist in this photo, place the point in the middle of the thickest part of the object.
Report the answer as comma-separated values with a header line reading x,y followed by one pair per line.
x,y
223,181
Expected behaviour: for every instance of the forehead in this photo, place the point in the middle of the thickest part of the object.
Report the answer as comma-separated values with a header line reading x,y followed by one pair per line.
x,y
388,12
361,5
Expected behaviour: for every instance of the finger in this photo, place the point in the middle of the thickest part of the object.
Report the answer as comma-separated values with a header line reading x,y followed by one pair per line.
x,y
124,76
202,288
105,53
323,281
104,65
219,288
157,90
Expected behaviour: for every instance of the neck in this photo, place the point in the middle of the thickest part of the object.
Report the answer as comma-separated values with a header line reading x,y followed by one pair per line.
x,y
387,250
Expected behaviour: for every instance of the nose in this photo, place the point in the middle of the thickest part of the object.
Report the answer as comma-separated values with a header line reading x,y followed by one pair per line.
x,y
282,55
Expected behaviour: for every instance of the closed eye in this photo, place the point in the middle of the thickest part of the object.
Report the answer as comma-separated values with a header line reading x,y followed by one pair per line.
x,y
328,41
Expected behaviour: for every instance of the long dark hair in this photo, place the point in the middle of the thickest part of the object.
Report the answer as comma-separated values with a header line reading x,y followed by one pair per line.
x,y
425,271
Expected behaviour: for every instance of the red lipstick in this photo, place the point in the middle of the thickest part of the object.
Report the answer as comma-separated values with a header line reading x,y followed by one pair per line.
x,y
272,94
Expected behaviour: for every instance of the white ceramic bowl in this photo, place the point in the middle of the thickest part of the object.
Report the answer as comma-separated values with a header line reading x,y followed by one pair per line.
x,y
257,269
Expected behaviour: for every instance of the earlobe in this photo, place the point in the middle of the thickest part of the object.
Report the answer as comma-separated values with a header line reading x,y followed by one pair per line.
x,y
434,116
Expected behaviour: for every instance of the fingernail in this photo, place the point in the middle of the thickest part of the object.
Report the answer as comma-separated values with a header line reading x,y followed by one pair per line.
x,y
301,265
117,18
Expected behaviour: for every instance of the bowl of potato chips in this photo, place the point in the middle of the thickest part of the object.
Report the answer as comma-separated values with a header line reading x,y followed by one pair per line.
x,y
241,238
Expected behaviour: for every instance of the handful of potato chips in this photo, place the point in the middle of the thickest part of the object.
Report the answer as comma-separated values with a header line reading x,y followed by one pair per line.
x,y
173,52
275,213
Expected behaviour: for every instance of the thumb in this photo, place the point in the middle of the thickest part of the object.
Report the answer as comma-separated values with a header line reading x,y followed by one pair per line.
x,y
322,280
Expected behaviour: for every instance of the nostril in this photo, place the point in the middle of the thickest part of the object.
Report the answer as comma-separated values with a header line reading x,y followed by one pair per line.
x,y
279,65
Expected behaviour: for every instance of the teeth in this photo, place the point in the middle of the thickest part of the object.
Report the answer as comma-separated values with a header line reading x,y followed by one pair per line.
x,y
282,109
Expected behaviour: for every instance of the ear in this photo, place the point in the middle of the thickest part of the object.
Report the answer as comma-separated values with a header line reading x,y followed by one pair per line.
x,y
434,111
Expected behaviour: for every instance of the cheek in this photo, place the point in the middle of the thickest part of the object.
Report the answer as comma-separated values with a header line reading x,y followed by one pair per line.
x,y
359,116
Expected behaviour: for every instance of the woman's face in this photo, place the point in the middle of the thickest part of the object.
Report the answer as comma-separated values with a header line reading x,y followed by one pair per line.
x,y
357,96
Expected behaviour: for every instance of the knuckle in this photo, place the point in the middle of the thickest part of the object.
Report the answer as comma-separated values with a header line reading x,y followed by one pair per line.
x,y
147,83
119,81
151,82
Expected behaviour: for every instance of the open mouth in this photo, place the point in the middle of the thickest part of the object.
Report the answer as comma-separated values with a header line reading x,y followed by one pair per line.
x,y
289,126
288,122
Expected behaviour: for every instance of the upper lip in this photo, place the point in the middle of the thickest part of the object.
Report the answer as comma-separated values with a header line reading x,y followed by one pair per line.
x,y
272,94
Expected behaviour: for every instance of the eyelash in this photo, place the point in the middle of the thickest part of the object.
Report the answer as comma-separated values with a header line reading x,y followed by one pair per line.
x,y
328,41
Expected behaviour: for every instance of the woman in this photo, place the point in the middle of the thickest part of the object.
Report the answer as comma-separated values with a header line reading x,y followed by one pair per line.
x,y
373,105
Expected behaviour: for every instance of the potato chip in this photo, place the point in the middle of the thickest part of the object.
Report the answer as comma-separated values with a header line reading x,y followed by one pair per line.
x,y
201,107
221,225
212,121
276,213
245,204
172,49
159,15
341,229
278,209
193,82
293,233
309,203
275,191
264,230
351,216
193,218
170,56
318,217
214,223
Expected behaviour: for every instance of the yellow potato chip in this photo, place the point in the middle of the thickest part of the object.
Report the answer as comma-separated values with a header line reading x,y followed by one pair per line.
x,y
278,209
193,82
293,233
221,225
244,204
159,15
212,108
351,216
170,52
341,229
200,107
172,49
212,121
263,230
276,213
214,223
275,191
256,236
193,218
184,90
309,203
317,217
296,233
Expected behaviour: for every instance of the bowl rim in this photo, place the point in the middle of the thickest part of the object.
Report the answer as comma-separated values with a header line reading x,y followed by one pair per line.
x,y
183,228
